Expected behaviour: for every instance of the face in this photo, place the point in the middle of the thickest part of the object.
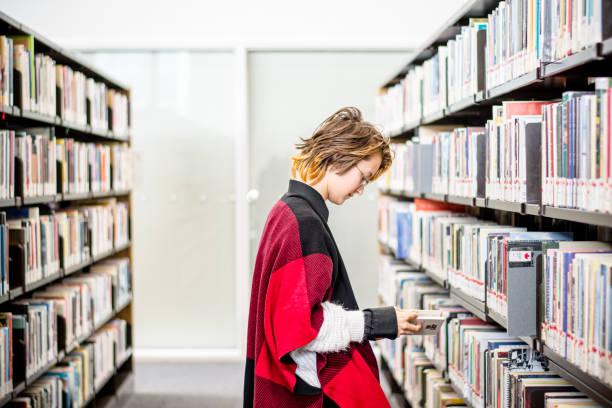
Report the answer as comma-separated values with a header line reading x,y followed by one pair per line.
x,y
342,187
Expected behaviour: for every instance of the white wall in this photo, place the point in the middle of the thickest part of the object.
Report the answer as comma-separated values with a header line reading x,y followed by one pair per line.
x,y
290,94
193,23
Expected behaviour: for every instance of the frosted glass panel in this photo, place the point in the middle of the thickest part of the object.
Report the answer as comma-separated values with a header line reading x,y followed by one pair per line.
x,y
184,211
290,94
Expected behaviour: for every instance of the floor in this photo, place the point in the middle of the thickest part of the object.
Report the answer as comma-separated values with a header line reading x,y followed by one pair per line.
x,y
185,385
190,385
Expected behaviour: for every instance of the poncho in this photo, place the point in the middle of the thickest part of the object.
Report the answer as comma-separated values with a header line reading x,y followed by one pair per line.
x,y
298,267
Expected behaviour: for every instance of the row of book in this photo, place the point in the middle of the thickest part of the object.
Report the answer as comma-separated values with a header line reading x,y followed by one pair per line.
x,y
30,159
516,38
60,239
576,165
53,89
522,34
553,153
74,380
576,304
468,362
497,266
60,317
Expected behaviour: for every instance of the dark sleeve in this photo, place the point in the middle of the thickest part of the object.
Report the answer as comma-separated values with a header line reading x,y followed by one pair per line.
x,y
380,322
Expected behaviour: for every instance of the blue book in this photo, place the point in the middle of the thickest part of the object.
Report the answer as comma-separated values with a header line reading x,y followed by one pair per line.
x,y
541,236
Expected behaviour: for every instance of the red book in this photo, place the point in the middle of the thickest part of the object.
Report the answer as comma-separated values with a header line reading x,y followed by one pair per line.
x,y
523,108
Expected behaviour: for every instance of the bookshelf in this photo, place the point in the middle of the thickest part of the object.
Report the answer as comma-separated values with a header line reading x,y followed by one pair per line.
x,y
14,117
546,82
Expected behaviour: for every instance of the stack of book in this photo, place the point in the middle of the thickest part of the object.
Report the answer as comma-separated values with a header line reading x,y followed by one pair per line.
x,y
524,34
73,158
6,70
458,162
576,150
72,90
390,109
37,237
121,163
73,232
119,271
100,221
98,107
7,164
466,55
74,380
100,167
100,289
576,305
44,392
122,336
35,154
120,118
34,335
513,152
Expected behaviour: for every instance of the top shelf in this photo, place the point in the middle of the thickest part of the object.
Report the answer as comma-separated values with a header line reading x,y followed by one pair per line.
x,y
592,61
448,30
10,26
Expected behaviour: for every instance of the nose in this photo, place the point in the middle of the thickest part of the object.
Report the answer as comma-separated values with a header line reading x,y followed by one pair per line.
x,y
360,190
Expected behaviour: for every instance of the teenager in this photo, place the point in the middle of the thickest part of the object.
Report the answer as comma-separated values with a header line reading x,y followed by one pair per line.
x,y
308,341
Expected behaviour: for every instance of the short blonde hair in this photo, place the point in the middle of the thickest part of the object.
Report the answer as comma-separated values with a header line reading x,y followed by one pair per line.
x,y
341,141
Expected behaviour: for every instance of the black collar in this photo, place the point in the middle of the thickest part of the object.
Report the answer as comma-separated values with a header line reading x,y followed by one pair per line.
x,y
299,189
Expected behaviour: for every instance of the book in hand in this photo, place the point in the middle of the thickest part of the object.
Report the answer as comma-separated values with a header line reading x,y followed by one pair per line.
x,y
430,321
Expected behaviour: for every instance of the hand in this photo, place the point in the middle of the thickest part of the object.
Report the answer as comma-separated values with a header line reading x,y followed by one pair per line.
x,y
406,322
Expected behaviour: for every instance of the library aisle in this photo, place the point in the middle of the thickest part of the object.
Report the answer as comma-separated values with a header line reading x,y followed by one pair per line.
x,y
267,204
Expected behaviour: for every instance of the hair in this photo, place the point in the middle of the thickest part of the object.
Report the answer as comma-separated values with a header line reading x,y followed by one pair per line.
x,y
340,142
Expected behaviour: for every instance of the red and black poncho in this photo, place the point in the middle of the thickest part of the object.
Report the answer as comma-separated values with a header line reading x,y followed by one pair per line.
x,y
298,266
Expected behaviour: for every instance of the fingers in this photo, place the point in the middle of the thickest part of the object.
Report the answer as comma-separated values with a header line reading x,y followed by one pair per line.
x,y
406,322
412,316
409,328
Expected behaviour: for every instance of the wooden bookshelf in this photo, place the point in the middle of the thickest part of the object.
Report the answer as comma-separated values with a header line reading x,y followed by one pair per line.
x,y
13,117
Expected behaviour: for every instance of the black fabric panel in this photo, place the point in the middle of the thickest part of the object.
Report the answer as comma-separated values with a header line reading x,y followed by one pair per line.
x,y
303,388
313,235
329,403
249,383
382,324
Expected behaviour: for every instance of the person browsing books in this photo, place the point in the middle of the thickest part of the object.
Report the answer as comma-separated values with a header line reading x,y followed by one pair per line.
x,y
307,342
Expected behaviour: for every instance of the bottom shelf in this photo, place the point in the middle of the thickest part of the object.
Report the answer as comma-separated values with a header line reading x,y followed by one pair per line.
x,y
397,391
591,386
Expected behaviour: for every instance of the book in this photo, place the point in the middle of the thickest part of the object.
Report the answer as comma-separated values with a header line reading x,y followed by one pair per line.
x,y
513,145
459,162
430,320
36,236
36,162
118,104
575,150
